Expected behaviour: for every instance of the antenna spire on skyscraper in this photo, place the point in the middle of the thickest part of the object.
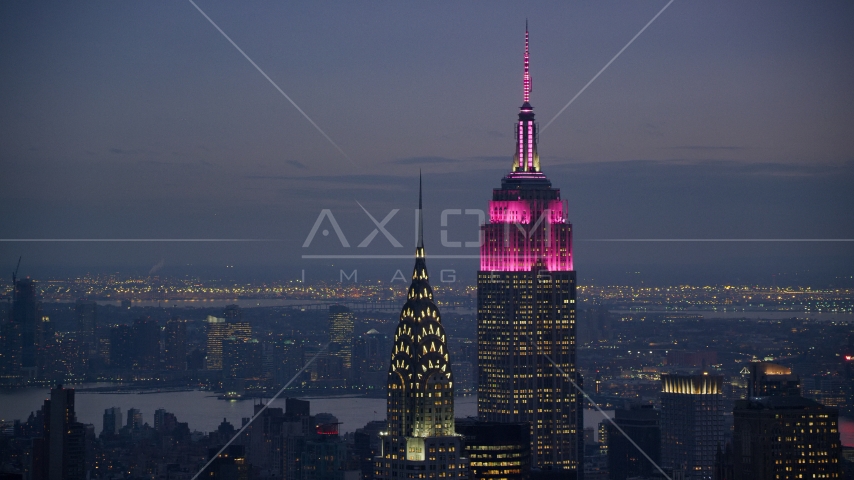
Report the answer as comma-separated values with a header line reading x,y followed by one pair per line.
x,y
526,79
420,217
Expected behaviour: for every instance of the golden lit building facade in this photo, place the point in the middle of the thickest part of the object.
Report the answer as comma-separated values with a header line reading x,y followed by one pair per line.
x,y
341,335
218,330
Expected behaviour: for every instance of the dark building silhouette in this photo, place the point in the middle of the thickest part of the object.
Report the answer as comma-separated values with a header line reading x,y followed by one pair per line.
x,y
231,464
497,450
146,341
366,446
164,422
25,331
121,347
65,446
134,419
526,292
324,456
87,322
175,345
771,379
785,437
241,359
641,424
370,359
112,422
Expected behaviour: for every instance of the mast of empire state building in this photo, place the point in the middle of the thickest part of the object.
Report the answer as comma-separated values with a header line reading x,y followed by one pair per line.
x,y
526,306
420,440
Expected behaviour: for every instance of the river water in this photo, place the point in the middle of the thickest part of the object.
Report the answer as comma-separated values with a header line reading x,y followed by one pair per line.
x,y
204,412
749,314
201,409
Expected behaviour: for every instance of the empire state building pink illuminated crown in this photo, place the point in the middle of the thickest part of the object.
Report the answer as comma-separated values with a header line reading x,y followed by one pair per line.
x,y
528,226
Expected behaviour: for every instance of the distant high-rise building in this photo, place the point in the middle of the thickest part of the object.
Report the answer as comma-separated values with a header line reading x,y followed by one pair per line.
x,y
26,323
366,446
217,332
264,436
497,450
87,322
146,341
175,345
233,314
785,438
324,456
295,431
766,379
287,356
828,390
112,421
62,451
241,358
122,347
231,464
370,359
420,405
221,328
640,422
164,422
526,307
341,335
134,419
692,423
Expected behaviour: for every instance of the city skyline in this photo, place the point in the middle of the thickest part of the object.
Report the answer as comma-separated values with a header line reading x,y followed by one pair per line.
x,y
132,109
272,150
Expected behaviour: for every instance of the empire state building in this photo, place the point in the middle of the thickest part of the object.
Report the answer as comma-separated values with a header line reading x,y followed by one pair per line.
x,y
420,441
526,306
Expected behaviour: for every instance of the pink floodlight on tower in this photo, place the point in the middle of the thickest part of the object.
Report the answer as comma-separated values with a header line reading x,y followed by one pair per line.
x,y
526,79
528,221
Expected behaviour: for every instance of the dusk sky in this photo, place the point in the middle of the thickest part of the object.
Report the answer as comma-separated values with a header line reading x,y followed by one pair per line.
x,y
139,120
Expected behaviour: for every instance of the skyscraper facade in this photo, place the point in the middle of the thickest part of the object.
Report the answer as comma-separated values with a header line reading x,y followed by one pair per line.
x,y
86,311
341,335
112,422
221,328
526,306
785,437
26,320
640,423
692,423
175,345
146,341
62,450
420,441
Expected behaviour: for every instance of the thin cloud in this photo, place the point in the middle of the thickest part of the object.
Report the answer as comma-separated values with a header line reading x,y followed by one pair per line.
x,y
709,147
423,160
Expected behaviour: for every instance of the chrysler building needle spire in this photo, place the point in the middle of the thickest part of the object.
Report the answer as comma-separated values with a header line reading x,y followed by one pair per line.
x,y
526,79
420,246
